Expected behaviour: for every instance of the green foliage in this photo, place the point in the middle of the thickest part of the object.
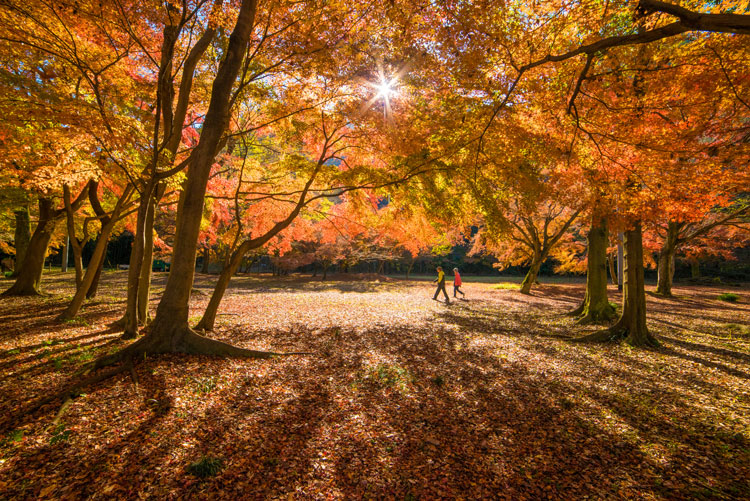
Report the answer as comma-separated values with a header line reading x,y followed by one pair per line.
x,y
61,434
729,297
7,274
204,385
206,467
614,305
14,351
78,321
12,437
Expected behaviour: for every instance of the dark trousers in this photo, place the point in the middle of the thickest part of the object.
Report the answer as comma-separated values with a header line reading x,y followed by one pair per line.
x,y
441,287
456,288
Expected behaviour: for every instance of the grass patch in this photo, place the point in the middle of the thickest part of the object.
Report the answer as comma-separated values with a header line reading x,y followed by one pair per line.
x,y
729,297
507,286
77,321
61,434
737,330
204,385
387,376
205,467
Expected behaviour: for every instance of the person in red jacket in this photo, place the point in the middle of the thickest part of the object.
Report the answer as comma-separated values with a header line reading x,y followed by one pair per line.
x,y
457,283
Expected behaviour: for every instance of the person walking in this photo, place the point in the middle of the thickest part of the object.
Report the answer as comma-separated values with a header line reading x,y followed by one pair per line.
x,y
441,285
457,283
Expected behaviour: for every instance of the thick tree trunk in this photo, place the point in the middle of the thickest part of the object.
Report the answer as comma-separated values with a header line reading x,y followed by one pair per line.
x,y
666,261
22,237
632,323
595,306
169,331
530,278
29,277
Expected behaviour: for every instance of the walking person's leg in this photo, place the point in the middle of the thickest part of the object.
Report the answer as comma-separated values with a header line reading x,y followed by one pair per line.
x,y
445,293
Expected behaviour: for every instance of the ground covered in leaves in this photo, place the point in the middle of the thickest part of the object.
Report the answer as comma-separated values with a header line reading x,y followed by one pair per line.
x,y
403,398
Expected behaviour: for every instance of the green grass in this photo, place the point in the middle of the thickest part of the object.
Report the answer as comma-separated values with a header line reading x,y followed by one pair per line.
x,y
204,385
737,330
388,376
511,287
729,297
206,467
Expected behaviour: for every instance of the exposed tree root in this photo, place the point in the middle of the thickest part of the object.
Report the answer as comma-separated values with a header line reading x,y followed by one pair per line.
x,y
21,293
618,333
182,340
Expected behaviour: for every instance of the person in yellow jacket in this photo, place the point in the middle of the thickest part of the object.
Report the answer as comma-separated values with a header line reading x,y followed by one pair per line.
x,y
440,285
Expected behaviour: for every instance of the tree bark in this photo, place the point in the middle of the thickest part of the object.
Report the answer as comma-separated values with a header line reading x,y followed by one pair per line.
x,y
631,325
169,331
29,277
72,239
136,262
530,278
595,306
98,267
695,268
612,269
209,316
93,271
206,255
22,238
64,257
144,285
666,261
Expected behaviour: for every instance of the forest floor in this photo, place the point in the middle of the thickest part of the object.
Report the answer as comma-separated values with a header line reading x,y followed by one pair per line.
x,y
403,398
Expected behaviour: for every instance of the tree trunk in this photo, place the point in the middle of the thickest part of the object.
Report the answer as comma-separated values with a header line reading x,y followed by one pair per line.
x,y
136,262
206,254
144,286
98,267
695,268
325,273
530,278
408,270
632,323
29,278
209,316
666,261
169,331
22,238
64,258
93,271
595,306
72,239
612,269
